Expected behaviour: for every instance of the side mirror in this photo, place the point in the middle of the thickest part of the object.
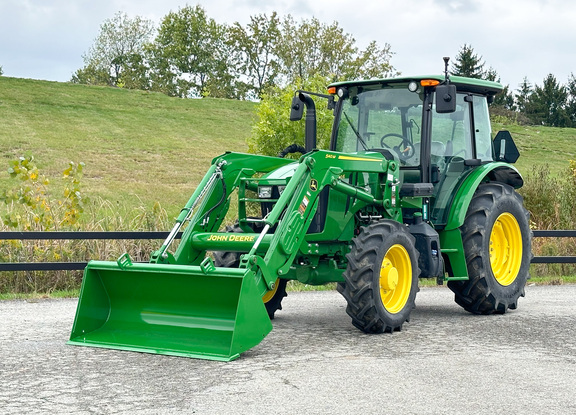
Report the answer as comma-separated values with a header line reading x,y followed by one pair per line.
x,y
445,99
296,109
504,147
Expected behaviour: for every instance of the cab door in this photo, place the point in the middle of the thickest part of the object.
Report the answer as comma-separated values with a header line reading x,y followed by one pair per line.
x,y
460,141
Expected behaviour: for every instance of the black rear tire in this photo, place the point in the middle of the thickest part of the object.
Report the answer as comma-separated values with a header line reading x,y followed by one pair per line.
x,y
381,277
272,299
497,244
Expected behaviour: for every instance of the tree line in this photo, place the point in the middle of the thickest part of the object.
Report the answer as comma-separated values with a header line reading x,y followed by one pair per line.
x,y
552,103
192,55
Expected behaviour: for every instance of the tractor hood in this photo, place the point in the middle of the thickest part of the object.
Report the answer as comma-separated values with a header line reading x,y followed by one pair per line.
x,y
283,172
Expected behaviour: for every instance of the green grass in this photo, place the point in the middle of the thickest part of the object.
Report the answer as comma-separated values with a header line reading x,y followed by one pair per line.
x,y
139,147
538,146
39,296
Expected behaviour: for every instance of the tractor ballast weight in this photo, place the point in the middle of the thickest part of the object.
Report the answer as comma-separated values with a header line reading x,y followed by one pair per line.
x,y
404,192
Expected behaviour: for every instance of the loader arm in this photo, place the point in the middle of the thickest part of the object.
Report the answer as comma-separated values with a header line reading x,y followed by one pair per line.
x,y
180,303
208,205
295,209
271,255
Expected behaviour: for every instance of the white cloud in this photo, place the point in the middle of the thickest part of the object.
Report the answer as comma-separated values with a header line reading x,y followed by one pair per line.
x,y
45,39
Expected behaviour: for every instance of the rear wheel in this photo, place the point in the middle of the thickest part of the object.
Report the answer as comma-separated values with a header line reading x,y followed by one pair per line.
x,y
497,244
381,277
273,298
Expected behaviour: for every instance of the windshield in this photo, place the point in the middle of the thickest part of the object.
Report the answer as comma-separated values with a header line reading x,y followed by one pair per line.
x,y
380,117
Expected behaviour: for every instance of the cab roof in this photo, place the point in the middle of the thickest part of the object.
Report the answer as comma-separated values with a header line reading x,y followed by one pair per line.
x,y
473,85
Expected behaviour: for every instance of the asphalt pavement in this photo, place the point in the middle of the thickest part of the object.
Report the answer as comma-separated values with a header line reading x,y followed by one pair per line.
x,y
445,361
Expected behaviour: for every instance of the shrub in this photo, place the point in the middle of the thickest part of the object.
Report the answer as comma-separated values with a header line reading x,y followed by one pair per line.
x,y
274,131
33,205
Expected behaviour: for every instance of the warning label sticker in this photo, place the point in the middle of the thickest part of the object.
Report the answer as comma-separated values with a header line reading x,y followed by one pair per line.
x,y
303,205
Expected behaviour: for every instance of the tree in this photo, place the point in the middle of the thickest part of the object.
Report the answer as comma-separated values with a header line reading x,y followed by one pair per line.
x,y
136,72
547,105
372,62
503,99
311,47
523,94
121,40
1,71
190,53
571,103
468,63
254,52
92,75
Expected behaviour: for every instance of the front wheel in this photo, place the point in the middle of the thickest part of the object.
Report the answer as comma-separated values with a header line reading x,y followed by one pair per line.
x,y
497,244
381,277
273,298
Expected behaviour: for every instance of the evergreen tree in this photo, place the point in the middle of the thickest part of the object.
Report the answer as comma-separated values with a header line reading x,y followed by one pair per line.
x,y
523,94
503,99
571,104
468,63
547,105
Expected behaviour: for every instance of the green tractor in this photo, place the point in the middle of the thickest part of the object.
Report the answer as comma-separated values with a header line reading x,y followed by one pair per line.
x,y
411,187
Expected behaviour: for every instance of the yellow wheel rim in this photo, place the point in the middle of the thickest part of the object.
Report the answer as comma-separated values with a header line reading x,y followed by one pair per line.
x,y
505,249
270,294
395,279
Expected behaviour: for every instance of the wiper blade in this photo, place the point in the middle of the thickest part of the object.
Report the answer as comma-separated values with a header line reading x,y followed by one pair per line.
x,y
355,131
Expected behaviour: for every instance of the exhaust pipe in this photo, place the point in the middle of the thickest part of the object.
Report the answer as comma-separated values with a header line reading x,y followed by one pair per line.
x,y
296,112
310,126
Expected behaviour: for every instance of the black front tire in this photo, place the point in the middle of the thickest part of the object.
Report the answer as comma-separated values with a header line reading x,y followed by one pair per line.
x,y
497,244
272,299
381,277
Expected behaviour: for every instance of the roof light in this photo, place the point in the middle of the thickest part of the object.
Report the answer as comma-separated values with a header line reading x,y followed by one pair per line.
x,y
429,82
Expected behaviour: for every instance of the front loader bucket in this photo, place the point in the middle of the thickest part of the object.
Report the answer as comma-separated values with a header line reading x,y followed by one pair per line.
x,y
170,309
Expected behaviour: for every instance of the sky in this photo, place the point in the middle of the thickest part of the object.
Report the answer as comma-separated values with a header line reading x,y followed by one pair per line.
x,y
45,39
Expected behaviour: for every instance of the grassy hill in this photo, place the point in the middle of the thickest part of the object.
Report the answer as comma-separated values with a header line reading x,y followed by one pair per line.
x,y
539,146
142,147
139,147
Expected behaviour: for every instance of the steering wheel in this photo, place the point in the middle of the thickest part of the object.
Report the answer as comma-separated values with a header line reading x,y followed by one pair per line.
x,y
403,154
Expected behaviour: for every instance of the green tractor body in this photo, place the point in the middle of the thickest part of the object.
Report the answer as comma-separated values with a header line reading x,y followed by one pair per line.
x,y
412,186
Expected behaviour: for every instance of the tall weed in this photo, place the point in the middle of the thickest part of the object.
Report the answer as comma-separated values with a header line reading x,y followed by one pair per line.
x,y
550,201
33,204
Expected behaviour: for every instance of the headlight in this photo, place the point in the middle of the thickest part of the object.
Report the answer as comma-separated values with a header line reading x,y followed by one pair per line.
x,y
281,189
264,192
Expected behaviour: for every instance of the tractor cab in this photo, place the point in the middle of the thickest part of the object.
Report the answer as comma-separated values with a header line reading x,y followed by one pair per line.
x,y
406,119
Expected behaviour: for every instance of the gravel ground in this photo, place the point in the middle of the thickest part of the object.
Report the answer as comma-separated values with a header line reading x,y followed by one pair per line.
x,y
314,361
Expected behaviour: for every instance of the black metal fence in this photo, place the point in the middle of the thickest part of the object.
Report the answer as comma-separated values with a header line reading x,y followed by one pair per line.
x,y
57,266
68,266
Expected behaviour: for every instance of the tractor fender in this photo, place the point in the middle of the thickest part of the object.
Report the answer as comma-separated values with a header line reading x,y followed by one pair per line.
x,y
491,172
